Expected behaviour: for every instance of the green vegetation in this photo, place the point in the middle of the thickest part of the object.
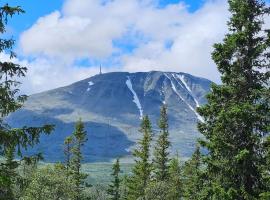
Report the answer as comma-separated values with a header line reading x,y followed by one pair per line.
x,y
50,182
74,167
236,118
12,140
161,153
142,170
236,162
114,187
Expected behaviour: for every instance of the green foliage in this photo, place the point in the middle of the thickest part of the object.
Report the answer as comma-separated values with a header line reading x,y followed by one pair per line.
x,y
79,137
12,140
266,170
68,145
124,188
193,177
142,170
236,118
50,183
157,190
161,152
95,193
175,179
114,187
171,188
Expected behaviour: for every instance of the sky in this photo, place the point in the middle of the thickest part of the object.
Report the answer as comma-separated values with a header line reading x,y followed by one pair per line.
x,y
64,41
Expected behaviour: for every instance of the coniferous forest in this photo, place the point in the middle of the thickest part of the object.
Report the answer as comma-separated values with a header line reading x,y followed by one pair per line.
x,y
231,160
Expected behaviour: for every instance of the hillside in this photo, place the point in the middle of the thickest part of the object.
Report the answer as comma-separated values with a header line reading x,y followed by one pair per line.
x,y
111,106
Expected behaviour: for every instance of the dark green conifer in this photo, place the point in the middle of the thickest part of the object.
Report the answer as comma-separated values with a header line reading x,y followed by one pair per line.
x,y
12,140
265,194
68,145
193,177
80,137
175,179
114,187
141,172
237,114
161,151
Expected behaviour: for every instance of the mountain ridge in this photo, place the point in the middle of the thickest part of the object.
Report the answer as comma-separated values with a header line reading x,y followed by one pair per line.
x,y
111,105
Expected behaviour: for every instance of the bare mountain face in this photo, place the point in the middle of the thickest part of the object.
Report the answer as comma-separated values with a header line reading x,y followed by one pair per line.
x,y
111,105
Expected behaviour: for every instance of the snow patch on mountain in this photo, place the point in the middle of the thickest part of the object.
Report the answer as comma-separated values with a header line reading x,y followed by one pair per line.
x,y
90,83
179,95
182,78
175,78
135,96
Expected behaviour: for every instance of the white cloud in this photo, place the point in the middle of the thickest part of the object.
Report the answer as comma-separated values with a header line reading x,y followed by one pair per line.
x,y
168,39
191,45
45,74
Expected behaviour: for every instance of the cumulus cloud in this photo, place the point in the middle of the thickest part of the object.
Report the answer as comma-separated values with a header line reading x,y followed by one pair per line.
x,y
137,35
45,74
191,44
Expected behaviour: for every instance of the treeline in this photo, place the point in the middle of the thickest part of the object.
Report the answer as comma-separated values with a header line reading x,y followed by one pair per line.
x,y
156,175
236,126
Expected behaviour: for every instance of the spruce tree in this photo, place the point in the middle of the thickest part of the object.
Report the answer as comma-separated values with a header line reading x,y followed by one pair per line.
x,y
68,144
161,151
142,169
12,140
175,179
114,187
237,114
80,137
193,177
266,170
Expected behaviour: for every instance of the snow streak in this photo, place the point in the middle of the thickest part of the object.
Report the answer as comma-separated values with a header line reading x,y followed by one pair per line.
x,y
179,95
135,97
181,77
90,83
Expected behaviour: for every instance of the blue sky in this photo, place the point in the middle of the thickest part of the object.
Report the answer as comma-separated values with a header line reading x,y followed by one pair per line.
x,y
74,37
35,9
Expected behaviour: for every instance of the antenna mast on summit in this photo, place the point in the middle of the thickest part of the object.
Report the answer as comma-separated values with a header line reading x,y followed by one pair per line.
x,y
100,72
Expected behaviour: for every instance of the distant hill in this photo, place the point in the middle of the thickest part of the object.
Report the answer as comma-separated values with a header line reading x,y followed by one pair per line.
x,y
111,106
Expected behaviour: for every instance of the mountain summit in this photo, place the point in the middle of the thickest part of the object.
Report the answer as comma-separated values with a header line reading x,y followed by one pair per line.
x,y
111,105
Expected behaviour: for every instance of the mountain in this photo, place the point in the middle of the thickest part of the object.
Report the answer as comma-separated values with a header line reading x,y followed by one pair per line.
x,y
111,105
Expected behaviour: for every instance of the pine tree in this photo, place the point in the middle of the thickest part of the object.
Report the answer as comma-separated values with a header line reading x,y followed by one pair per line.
x,y
161,152
76,161
237,113
175,181
193,176
9,170
142,170
68,144
265,195
12,140
124,187
114,187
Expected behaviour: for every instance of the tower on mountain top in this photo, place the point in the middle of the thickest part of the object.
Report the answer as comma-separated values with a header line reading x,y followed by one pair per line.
x,y
100,72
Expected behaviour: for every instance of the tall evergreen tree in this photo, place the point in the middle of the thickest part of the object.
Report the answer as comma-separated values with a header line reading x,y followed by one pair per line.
x,y
237,113
12,140
68,144
161,152
193,177
142,170
175,179
80,137
114,187
266,170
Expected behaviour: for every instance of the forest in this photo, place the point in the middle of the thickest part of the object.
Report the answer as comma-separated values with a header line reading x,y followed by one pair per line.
x,y
231,160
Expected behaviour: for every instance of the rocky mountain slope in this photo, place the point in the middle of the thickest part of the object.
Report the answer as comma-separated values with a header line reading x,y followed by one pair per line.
x,y
111,105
